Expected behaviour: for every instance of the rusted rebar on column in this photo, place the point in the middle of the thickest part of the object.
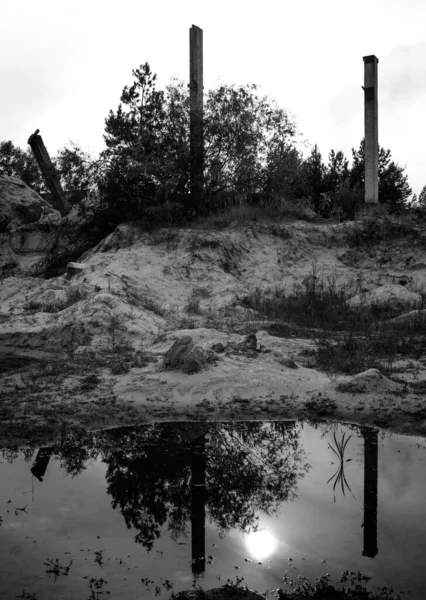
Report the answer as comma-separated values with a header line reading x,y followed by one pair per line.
x,y
49,173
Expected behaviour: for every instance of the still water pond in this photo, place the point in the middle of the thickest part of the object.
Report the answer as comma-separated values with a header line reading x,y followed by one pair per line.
x,y
140,513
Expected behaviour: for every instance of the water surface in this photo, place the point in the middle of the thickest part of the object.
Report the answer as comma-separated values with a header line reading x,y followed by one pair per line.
x,y
140,513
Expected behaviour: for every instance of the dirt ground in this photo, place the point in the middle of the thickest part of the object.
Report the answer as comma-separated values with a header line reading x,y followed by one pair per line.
x,y
88,351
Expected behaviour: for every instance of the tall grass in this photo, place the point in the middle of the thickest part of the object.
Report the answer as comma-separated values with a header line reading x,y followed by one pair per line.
x,y
350,338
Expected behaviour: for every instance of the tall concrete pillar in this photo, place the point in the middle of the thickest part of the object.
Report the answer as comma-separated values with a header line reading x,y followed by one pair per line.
x,y
370,491
50,176
371,130
196,115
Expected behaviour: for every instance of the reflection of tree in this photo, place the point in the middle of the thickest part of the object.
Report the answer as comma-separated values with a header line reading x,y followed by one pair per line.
x,y
249,469
370,452
339,476
148,478
75,451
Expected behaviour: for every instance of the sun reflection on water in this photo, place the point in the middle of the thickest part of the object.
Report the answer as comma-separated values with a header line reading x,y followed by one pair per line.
x,y
261,544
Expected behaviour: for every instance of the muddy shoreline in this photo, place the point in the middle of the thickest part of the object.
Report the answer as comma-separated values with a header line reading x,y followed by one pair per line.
x,y
42,403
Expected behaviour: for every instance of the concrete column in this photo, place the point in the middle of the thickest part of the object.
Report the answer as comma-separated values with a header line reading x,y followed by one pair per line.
x,y
47,169
196,115
371,130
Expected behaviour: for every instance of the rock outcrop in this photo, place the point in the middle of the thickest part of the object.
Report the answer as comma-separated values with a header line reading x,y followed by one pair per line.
x,y
27,227
34,239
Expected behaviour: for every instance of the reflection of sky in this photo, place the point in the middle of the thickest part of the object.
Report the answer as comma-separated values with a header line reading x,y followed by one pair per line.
x,y
68,514
64,521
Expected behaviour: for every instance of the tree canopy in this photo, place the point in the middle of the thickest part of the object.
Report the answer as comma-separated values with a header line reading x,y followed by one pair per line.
x,y
147,141
250,155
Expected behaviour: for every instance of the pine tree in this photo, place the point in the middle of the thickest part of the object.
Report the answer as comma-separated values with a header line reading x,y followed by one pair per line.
x,y
393,184
422,198
315,176
337,170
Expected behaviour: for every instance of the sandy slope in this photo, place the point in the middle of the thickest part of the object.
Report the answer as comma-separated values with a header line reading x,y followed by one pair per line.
x,y
135,290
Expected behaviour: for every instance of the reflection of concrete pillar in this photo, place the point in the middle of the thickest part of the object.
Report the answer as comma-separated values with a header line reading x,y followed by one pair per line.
x,y
41,461
196,115
198,510
370,491
47,169
371,130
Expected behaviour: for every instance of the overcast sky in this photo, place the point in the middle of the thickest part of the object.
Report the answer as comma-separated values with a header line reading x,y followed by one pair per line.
x,y
64,64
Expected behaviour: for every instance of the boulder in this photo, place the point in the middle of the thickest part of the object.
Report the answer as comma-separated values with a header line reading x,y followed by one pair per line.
x,y
185,356
219,348
27,227
284,359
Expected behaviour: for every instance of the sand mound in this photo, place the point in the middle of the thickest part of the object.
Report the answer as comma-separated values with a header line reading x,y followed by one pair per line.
x,y
368,381
393,296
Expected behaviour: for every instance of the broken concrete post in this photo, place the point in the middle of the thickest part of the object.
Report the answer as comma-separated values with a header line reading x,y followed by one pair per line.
x,y
47,169
371,130
196,115
74,268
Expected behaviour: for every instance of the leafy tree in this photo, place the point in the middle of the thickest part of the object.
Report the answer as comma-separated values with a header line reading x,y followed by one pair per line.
x,y
393,184
75,168
16,162
147,138
243,133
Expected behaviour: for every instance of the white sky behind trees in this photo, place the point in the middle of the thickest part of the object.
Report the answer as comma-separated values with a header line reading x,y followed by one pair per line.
x,y
64,64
